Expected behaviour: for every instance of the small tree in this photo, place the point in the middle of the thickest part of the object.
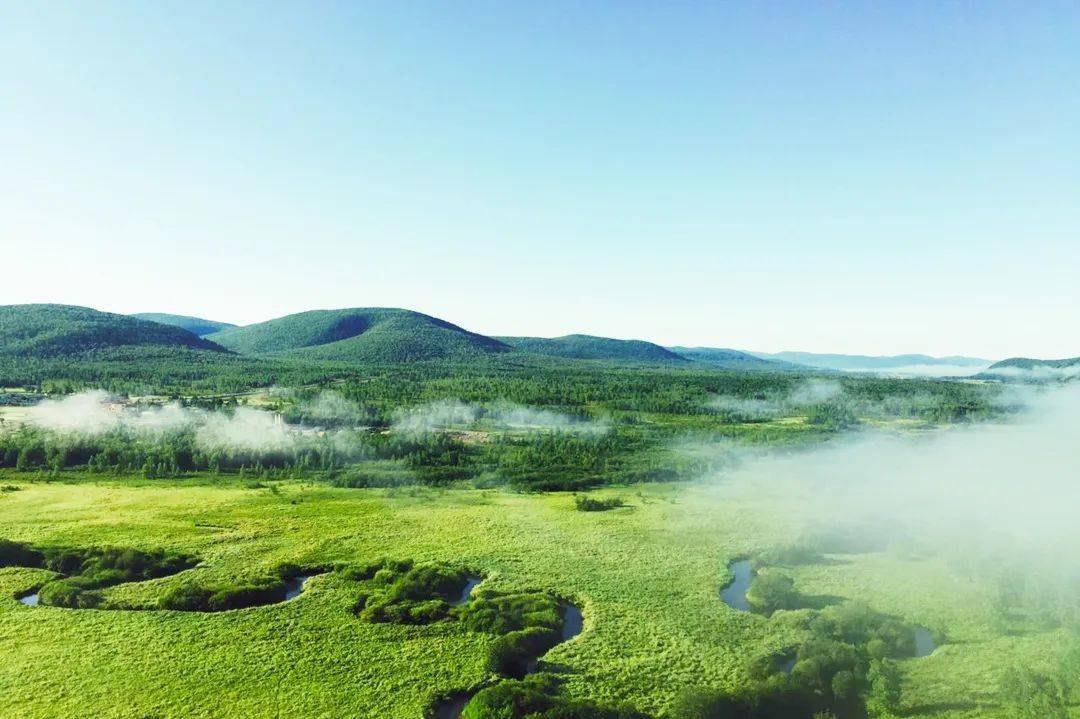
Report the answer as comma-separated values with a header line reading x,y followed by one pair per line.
x,y
884,698
772,590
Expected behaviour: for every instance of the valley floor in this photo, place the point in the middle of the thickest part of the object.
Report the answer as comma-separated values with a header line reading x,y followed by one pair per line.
x,y
646,576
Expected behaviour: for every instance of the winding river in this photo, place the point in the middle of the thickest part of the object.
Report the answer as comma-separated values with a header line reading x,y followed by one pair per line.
x,y
293,588
734,593
452,706
924,642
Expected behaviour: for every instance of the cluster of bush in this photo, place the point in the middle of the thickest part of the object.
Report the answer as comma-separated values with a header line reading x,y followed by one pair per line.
x,y
401,593
238,594
772,590
585,503
844,667
527,625
537,697
85,571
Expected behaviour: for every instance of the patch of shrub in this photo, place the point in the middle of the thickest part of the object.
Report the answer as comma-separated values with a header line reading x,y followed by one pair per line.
x,y
772,590
512,653
584,503
83,570
223,597
503,613
537,697
411,594
65,593
858,624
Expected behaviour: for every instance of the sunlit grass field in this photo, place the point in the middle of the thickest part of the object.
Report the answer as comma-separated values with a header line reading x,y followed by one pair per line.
x,y
646,576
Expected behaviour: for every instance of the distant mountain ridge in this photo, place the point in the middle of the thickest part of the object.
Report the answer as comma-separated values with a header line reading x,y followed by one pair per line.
x,y
733,359
53,331
871,363
594,348
195,325
1028,369
391,335
371,334
1028,363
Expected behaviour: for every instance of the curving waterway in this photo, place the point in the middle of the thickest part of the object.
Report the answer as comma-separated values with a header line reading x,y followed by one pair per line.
x,y
293,588
452,706
734,593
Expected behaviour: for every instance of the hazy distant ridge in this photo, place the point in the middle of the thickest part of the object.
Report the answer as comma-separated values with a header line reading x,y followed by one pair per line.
x,y
195,325
595,348
871,363
733,359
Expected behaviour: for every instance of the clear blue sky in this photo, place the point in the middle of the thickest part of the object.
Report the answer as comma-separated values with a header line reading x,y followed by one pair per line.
x,y
868,177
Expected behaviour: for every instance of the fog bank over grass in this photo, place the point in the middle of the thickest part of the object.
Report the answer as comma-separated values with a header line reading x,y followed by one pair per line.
x,y
996,488
1038,373
813,391
96,412
501,416
924,370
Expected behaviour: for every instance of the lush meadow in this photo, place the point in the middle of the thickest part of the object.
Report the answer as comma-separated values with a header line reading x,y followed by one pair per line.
x,y
646,576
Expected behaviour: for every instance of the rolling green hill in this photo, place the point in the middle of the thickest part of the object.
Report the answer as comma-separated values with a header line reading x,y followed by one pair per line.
x,y
376,334
195,325
57,331
593,348
734,359
1027,363
1027,369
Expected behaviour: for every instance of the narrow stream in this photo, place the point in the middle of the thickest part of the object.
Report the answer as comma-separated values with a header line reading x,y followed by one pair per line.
x,y
734,594
924,642
454,705
294,586
466,592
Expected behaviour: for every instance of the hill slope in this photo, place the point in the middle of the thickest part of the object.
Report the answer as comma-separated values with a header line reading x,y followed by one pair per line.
x,y
594,348
52,331
734,359
374,334
195,325
1025,368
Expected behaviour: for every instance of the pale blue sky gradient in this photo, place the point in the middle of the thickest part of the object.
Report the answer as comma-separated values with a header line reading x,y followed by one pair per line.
x,y
873,177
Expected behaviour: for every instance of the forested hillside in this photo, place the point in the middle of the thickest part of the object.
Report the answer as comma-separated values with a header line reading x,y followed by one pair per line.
x,y
49,331
363,334
593,348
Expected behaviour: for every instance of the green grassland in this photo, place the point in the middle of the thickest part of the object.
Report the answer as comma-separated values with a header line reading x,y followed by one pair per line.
x,y
646,576
400,436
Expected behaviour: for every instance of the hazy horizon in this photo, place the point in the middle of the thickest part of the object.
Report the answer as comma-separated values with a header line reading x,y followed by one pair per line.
x,y
858,179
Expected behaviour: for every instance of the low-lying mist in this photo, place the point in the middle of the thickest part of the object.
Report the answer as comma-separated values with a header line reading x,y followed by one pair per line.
x,y
500,416
96,412
327,414
1004,493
